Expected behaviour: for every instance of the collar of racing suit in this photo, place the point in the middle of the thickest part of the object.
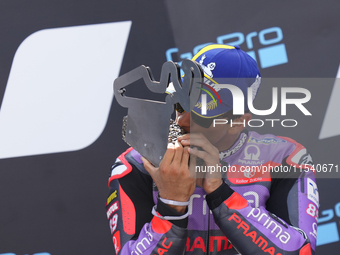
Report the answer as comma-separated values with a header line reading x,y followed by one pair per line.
x,y
236,146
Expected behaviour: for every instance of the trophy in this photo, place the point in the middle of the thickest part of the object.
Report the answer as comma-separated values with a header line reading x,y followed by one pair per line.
x,y
148,127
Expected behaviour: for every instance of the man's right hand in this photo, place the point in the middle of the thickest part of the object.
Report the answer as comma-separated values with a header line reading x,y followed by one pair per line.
x,y
172,177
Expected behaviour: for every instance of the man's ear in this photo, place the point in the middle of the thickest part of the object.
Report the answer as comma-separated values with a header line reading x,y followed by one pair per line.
x,y
239,123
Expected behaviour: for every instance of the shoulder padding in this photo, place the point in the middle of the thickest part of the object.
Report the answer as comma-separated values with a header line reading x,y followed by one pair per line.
x,y
125,163
121,167
299,156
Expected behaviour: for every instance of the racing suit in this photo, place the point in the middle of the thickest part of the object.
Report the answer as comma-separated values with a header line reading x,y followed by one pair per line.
x,y
267,204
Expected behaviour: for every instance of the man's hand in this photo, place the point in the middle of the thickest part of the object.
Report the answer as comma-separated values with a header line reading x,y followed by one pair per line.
x,y
172,177
209,154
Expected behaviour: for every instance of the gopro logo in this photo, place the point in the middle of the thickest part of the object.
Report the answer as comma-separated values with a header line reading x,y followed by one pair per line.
x,y
328,232
274,53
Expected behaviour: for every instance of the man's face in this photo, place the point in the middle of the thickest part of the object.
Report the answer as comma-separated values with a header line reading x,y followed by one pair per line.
x,y
213,134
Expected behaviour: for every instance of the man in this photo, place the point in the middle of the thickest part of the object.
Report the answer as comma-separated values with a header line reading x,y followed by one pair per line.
x,y
231,209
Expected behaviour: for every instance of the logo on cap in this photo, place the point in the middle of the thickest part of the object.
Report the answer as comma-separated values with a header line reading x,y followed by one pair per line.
x,y
207,68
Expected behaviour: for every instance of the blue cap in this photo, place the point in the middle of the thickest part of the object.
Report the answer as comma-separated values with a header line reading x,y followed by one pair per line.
x,y
224,64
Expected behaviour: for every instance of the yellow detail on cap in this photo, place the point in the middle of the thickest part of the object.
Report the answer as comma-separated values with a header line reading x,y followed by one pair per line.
x,y
211,105
211,47
208,117
210,79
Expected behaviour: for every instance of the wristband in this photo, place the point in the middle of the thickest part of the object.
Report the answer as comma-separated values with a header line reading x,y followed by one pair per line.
x,y
173,202
154,212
